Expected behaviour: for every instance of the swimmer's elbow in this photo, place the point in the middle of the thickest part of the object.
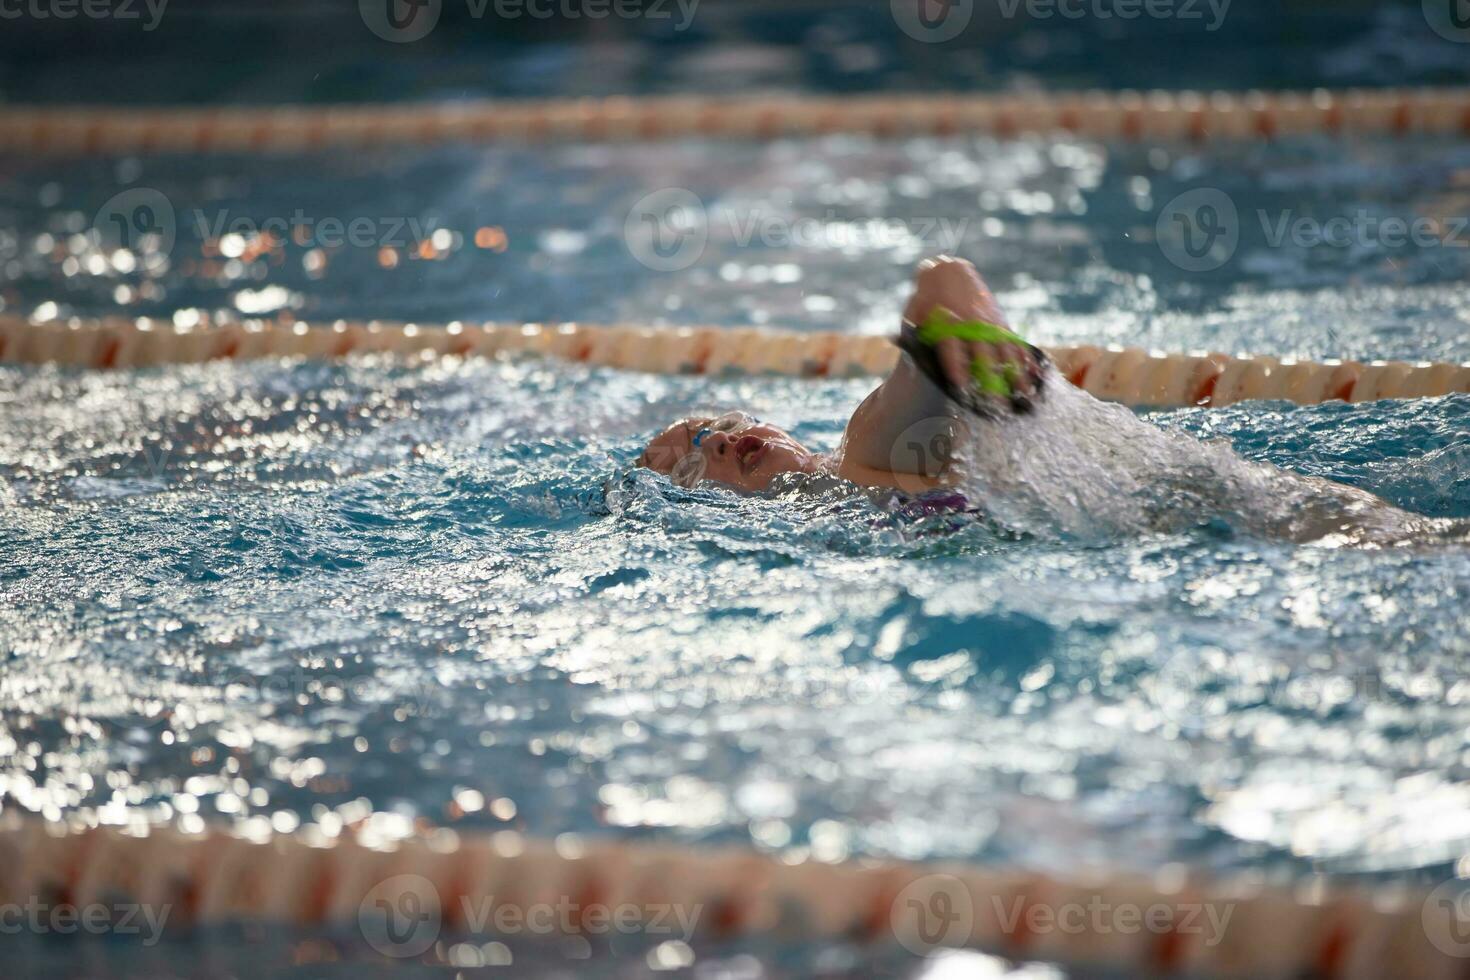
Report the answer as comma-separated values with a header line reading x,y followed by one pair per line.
x,y
887,479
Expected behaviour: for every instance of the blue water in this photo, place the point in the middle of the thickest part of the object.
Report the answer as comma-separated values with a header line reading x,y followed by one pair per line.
x,y
303,593
453,581
803,234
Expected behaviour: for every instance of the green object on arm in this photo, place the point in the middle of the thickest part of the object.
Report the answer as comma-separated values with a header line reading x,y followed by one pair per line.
x,y
990,386
939,327
990,381
1000,383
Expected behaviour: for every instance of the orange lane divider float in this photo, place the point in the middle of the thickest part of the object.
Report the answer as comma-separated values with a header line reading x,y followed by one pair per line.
x,y
1184,926
1132,376
1156,115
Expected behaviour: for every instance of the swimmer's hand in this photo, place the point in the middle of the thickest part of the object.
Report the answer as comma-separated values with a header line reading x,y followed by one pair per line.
x,y
981,366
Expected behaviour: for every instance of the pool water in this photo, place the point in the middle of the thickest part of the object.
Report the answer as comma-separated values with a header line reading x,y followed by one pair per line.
x,y
805,234
332,583
438,592
291,593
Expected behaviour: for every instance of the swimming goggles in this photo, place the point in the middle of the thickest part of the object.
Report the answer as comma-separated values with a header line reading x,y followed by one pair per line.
x,y
689,470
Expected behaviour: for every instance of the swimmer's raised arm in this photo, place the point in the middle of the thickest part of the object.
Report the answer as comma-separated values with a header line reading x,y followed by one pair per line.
x,y
955,326
893,429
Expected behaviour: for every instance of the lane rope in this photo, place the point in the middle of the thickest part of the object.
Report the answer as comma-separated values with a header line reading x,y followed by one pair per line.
x,y
249,873
1130,115
1133,376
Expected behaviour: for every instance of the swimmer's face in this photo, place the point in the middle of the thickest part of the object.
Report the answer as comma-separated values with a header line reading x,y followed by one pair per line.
x,y
732,449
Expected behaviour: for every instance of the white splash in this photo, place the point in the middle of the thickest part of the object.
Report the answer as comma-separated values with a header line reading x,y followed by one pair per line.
x,y
1083,468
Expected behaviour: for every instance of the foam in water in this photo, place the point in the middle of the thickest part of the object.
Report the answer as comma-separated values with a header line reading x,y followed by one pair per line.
x,y
1080,468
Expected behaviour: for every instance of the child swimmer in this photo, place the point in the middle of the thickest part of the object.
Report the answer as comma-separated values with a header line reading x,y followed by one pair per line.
x,y
962,378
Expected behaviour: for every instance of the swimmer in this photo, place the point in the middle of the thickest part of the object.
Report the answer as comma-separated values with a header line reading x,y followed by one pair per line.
x,y
964,378
958,357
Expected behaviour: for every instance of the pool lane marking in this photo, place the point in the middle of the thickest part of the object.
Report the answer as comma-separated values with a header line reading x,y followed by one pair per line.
x,y
1132,115
1129,375
213,874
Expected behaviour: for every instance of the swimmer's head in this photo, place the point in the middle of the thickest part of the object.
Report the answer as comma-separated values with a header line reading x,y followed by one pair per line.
x,y
733,449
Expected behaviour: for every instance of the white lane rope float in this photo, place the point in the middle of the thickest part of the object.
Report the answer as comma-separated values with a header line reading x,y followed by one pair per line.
x,y
1132,376
248,873
1125,115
